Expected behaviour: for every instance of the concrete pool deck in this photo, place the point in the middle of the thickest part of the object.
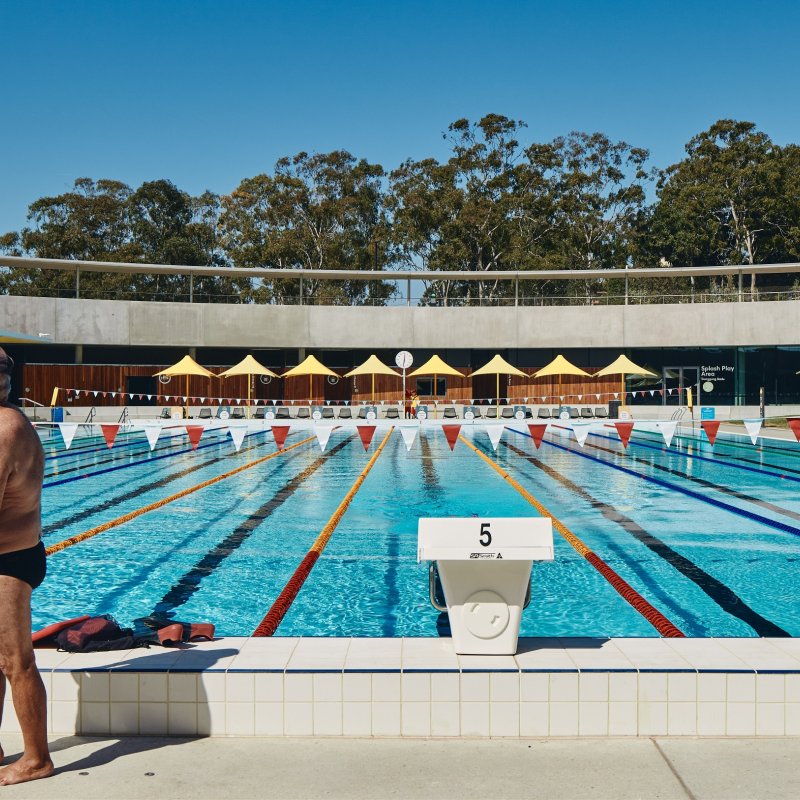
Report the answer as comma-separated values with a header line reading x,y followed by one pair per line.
x,y
596,769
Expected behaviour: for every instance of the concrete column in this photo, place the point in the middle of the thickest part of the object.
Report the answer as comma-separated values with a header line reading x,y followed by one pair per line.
x,y
193,353
79,354
739,383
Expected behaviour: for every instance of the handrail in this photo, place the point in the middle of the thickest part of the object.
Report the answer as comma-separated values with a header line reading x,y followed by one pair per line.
x,y
123,417
91,415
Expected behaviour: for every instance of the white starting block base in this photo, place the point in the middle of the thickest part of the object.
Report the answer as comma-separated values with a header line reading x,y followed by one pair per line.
x,y
485,621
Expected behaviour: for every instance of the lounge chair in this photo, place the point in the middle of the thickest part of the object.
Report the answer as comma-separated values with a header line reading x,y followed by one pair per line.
x,y
601,412
205,413
303,413
346,413
507,412
554,413
165,413
238,413
528,412
543,413
362,412
573,413
476,410
586,413
260,413
282,412
327,413
491,413
450,413
392,413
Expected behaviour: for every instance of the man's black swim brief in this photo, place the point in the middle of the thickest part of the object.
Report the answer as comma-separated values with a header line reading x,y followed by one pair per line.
x,y
29,565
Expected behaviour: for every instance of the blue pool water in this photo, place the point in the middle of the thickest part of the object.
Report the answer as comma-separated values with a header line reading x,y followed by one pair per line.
x,y
710,537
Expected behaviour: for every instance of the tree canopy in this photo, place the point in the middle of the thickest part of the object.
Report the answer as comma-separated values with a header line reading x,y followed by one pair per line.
x,y
496,202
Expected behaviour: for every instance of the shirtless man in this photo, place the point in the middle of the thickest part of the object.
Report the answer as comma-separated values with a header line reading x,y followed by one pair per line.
x,y
22,569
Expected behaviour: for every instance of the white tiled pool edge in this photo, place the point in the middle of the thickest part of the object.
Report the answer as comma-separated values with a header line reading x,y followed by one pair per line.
x,y
420,688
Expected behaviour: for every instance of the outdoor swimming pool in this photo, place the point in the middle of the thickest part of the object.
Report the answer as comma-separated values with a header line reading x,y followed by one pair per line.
x,y
710,537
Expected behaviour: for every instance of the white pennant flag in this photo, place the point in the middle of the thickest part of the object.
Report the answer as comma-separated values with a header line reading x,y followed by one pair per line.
x,y
598,397
495,432
580,398
409,433
652,392
68,430
581,431
238,433
323,434
667,428
753,428
152,432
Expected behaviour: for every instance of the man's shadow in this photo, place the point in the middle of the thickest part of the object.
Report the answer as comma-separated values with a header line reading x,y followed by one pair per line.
x,y
124,744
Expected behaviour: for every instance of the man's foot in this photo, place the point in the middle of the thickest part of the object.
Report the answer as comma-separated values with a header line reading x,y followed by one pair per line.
x,y
25,770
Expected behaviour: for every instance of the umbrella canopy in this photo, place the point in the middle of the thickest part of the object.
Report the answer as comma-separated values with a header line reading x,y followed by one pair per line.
x,y
311,366
560,366
248,366
372,366
435,366
498,366
186,366
624,366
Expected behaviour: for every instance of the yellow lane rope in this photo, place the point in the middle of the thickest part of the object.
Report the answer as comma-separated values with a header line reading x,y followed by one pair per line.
x,y
81,537
276,613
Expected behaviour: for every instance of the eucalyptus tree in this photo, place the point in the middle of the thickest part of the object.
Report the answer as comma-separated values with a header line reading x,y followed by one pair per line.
x,y
318,211
729,201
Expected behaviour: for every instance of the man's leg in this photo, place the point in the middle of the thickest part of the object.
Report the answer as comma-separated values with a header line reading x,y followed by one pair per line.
x,y
2,700
18,664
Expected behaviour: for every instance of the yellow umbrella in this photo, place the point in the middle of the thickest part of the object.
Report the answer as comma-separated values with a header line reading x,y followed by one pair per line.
x,y
498,366
248,366
560,366
311,367
372,366
623,366
435,366
186,366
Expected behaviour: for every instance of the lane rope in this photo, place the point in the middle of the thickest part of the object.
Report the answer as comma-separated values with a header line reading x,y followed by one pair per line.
x,y
624,589
274,617
82,537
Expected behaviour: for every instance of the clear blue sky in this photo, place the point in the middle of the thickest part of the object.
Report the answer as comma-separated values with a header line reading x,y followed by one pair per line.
x,y
207,93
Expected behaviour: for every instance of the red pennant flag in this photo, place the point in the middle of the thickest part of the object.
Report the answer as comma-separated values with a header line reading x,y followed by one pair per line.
x,y
624,429
366,432
194,432
280,432
794,424
105,394
451,434
110,433
711,426
537,433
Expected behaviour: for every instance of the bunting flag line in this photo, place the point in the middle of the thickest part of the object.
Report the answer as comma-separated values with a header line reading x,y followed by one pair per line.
x,y
667,428
711,427
152,432
280,432
237,432
753,427
366,432
624,429
195,432
67,431
537,431
109,433
451,434
794,424
581,431
495,433
409,434
323,434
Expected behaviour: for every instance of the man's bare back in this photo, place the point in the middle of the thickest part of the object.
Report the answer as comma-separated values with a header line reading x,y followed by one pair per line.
x,y
21,470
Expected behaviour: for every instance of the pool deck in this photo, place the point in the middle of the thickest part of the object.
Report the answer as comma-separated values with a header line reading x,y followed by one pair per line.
x,y
418,687
372,769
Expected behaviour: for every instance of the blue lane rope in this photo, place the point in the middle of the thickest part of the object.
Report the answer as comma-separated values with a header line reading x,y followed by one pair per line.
x,y
782,526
